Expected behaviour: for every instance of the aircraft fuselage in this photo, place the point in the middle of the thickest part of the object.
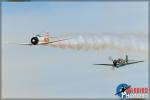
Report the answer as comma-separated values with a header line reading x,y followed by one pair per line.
x,y
119,62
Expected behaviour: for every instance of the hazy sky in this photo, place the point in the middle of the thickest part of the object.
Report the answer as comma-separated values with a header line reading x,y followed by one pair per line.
x,y
54,72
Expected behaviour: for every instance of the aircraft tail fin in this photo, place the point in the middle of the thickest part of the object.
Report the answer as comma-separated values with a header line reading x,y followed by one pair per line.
x,y
46,36
127,58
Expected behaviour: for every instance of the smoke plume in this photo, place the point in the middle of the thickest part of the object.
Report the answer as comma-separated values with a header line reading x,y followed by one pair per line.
x,y
105,41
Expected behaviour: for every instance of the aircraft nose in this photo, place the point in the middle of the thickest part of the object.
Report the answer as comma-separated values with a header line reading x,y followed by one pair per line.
x,y
114,62
33,40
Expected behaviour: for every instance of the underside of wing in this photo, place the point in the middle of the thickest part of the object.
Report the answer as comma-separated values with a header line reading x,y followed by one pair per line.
x,y
59,40
105,64
134,62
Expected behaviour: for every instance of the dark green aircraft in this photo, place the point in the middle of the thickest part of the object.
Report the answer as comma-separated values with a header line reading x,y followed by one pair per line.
x,y
117,63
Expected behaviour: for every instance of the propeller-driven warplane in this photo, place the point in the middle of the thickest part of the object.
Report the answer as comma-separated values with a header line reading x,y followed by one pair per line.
x,y
42,40
117,63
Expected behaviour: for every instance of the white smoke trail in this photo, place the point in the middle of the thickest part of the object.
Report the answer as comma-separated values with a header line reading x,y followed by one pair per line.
x,y
109,41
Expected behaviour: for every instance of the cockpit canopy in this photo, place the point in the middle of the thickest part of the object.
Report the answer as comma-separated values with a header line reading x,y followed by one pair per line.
x,y
38,35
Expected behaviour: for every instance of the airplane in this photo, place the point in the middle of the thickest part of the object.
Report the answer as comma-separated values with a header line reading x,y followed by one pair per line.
x,y
42,40
117,63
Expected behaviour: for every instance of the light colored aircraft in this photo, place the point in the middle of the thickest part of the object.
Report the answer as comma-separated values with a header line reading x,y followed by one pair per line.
x,y
117,63
42,40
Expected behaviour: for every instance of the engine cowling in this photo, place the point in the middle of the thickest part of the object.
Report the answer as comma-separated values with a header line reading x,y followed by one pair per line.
x,y
34,40
115,62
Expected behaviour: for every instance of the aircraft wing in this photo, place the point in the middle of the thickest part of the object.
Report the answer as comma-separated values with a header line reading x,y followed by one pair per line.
x,y
105,64
21,43
42,43
58,40
134,62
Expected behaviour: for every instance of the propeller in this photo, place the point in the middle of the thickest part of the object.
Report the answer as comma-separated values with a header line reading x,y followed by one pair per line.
x,y
111,59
